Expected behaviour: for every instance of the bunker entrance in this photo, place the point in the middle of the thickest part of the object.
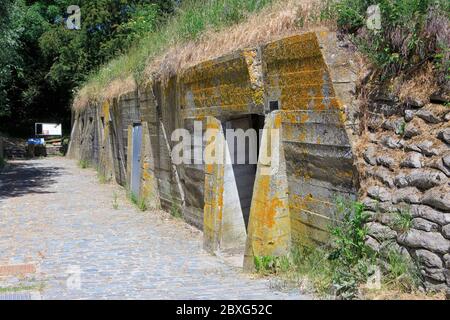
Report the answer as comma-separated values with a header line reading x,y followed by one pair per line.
x,y
136,159
243,138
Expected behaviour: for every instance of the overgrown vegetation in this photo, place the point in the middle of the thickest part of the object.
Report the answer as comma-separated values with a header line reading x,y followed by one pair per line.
x,y
412,33
83,164
101,177
343,267
401,272
115,201
402,221
22,287
42,61
175,210
139,202
191,19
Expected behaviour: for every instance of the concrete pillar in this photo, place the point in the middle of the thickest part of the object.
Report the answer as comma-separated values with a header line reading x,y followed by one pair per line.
x,y
223,221
149,185
269,232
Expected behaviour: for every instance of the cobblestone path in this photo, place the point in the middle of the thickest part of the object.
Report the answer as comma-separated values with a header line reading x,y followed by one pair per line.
x,y
60,217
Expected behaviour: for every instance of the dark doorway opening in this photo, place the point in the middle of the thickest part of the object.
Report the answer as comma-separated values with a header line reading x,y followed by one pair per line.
x,y
245,172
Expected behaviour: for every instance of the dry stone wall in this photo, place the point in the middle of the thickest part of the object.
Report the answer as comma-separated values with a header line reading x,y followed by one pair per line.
x,y
405,169
304,86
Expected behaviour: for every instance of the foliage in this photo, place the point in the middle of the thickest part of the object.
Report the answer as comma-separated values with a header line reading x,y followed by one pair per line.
x,y
83,164
351,257
346,264
190,20
412,31
175,210
142,204
401,272
115,201
402,221
42,62
102,179
272,265
139,202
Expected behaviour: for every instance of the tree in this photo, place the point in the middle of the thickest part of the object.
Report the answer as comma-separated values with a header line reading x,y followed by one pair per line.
x,y
42,62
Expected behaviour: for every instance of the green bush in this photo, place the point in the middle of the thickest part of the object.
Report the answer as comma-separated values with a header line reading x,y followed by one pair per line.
x,y
401,272
351,258
412,32
346,263
402,221
83,164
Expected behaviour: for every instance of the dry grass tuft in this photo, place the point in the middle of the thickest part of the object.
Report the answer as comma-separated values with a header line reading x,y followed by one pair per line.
x,y
282,19
278,20
421,85
389,294
95,93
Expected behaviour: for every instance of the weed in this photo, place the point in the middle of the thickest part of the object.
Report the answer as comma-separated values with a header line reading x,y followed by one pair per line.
x,y
102,178
402,221
139,202
20,288
351,258
347,263
142,204
133,198
175,210
401,129
410,33
83,164
115,201
272,265
400,272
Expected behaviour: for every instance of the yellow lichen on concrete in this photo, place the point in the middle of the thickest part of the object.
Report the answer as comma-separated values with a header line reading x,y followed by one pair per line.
x,y
269,232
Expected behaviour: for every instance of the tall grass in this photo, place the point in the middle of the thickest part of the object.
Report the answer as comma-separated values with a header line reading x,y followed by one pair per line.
x,y
412,33
343,267
191,19
201,30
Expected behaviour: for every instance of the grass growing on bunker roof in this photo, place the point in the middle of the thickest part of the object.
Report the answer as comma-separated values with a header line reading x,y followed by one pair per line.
x,y
201,30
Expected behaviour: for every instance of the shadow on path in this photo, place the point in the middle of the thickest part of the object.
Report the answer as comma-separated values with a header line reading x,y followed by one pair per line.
x,y
26,177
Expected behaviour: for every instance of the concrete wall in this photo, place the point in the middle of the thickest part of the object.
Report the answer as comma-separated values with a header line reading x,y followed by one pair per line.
x,y
301,84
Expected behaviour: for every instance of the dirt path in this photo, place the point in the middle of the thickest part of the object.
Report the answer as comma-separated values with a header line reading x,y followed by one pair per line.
x,y
60,218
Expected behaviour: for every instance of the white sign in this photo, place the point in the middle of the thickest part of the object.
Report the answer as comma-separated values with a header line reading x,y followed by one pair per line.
x,y
48,129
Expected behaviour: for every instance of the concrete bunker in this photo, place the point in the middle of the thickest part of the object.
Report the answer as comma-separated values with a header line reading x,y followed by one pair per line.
x,y
244,130
298,86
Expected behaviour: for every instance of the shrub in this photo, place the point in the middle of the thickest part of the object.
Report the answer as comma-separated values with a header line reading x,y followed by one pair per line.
x,y
412,32
115,201
402,221
350,256
347,263
400,272
83,164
